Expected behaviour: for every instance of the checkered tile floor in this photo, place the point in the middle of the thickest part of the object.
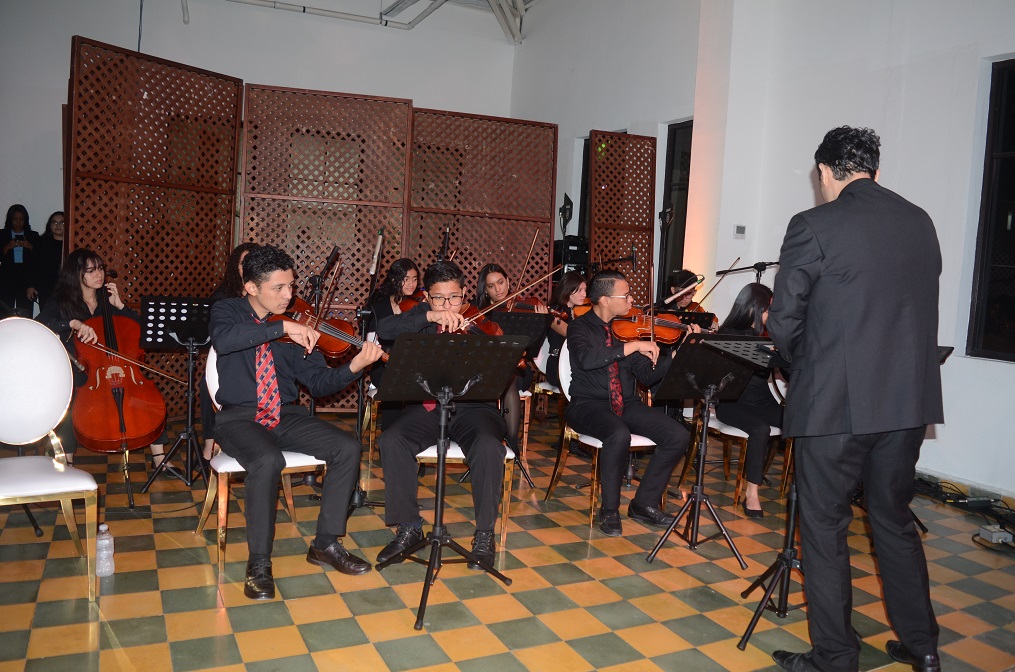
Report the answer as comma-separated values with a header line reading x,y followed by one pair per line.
x,y
578,600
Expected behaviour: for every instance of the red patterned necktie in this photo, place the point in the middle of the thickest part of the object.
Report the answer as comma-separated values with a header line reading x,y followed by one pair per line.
x,y
616,391
269,401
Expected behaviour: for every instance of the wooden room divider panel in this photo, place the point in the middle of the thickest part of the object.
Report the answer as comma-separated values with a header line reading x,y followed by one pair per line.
x,y
327,169
491,181
622,204
152,168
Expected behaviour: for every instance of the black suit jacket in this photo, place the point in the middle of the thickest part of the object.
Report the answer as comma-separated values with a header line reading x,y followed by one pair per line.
x,y
856,312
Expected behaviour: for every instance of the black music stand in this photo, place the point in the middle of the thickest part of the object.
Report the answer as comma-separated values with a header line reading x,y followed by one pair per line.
x,y
471,368
167,324
709,367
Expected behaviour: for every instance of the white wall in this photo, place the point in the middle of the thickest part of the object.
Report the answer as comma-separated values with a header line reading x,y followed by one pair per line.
x,y
917,71
609,66
456,59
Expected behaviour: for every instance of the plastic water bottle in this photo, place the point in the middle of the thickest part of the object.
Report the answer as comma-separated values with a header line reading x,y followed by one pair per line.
x,y
104,552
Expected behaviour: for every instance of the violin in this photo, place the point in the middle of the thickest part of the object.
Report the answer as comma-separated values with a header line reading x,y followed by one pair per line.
x,y
118,409
479,324
531,304
636,326
336,335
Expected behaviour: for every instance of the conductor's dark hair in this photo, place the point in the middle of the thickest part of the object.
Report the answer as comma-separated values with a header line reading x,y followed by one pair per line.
x,y
443,271
848,151
17,207
482,298
264,260
392,285
751,303
232,282
602,285
563,290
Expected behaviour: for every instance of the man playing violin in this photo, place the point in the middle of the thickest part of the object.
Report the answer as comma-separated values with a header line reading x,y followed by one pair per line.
x,y
258,375
476,426
605,404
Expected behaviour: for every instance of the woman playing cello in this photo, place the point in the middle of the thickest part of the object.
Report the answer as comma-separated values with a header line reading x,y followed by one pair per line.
x,y
76,299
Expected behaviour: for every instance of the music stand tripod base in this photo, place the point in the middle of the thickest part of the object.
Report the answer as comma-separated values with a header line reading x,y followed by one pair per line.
x,y
711,368
169,324
444,367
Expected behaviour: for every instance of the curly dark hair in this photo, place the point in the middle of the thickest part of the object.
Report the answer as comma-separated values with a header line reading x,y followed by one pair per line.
x,y
602,285
232,283
264,260
392,285
750,304
849,150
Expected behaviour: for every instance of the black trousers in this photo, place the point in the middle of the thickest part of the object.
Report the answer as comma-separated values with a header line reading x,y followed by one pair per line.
x,y
756,417
828,471
596,418
259,451
477,428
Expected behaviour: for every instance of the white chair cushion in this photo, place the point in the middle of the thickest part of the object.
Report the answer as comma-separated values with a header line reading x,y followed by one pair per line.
x,y
224,464
637,441
34,475
455,452
524,394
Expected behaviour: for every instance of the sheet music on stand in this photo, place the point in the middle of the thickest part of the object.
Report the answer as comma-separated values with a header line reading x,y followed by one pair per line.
x,y
187,317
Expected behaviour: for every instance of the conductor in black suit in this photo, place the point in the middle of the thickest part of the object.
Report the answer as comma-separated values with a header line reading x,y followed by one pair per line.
x,y
855,312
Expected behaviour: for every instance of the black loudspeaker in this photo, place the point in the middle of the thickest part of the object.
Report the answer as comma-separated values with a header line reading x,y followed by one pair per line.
x,y
572,253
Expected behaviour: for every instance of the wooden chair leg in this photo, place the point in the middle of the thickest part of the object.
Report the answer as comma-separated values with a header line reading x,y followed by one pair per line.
x,y
91,523
526,419
787,466
741,467
71,522
287,492
209,500
727,454
373,408
558,468
692,452
223,520
593,486
505,506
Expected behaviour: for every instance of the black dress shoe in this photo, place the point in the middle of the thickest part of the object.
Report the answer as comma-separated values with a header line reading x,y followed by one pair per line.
x,y
407,536
609,522
899,653
794,662
260,584
339,557
580,450
170,470
648,514
752,513
484,548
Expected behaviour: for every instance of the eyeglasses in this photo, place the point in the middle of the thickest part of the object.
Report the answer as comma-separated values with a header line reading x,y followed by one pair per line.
x,y
92,269
438,301
619,296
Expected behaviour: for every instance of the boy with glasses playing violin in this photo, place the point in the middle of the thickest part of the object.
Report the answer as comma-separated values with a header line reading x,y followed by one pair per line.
x,y
604,404
476,426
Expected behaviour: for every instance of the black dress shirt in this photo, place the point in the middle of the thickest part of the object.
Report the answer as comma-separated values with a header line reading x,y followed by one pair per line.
x,y
235,334
591,357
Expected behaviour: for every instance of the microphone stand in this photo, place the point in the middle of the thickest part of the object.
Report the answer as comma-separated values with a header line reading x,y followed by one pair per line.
x,y
363,315
758,269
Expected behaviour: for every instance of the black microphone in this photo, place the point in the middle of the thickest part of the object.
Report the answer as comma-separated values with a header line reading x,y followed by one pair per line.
x,y
761,266
331,258
634,259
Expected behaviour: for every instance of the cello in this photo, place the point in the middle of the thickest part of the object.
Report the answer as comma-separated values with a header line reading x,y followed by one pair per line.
x,y
118,409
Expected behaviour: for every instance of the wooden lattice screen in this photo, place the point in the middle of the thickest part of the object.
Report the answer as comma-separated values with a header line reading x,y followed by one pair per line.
x,y
491,180
622,204
152,175
321,170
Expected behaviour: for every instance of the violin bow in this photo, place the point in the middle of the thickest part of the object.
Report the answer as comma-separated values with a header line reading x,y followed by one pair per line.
x,y
532,245
685,290
114,353
735,261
